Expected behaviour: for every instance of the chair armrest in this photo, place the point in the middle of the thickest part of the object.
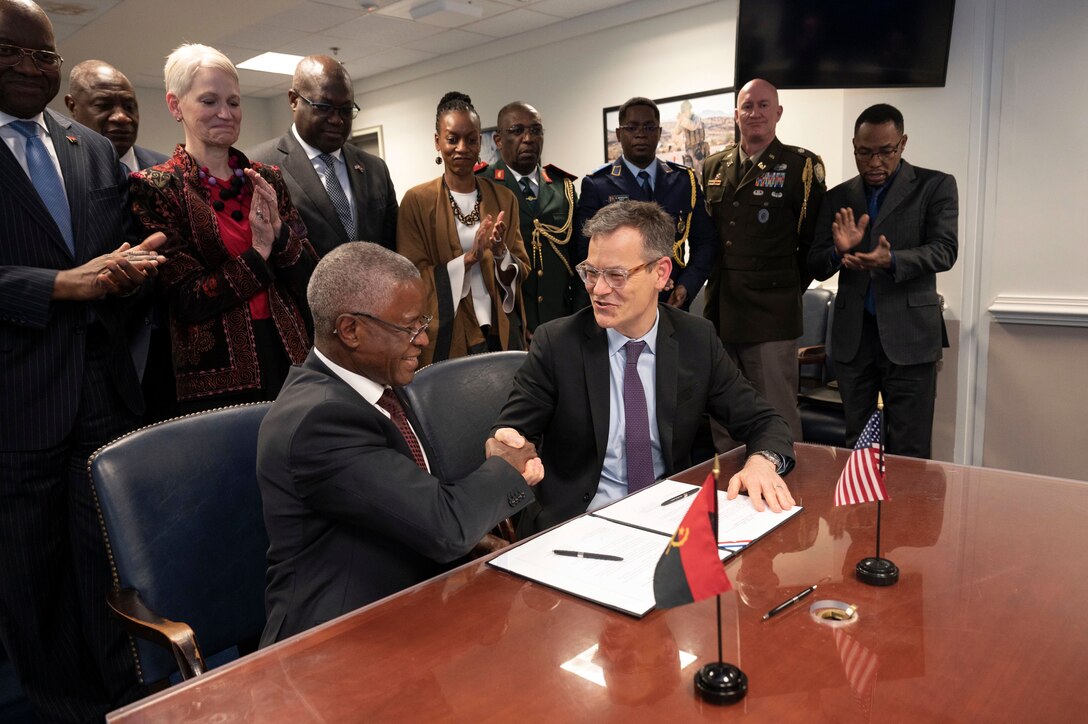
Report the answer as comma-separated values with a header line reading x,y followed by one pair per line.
x,y
141,621
813,354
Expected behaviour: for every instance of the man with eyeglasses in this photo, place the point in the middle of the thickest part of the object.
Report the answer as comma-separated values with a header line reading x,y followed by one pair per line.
x,y
546,201
638,175
343,193
614,395
763,196
888,232
352,510
67,382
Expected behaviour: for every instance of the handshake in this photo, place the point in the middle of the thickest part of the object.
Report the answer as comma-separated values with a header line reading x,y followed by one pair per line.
x,y
509,445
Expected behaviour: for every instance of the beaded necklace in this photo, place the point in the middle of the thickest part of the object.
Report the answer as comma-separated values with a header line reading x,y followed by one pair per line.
x,y
472,218
237,194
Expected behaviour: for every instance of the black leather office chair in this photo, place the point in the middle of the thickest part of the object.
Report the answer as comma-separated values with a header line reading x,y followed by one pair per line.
x,y
815,310
181,513
822,418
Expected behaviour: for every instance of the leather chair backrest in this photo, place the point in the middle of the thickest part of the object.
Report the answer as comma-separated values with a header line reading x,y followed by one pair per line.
x,y
457,402
182,516
829,363
815,308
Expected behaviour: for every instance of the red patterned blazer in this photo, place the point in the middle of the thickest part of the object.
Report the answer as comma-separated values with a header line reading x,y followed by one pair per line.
x,y
211,331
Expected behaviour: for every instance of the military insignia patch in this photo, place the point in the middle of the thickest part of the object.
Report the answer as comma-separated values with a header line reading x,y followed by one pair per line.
x,y
763,216
820,172
771,180
617,170
716,181
618,197
780,167
757,192
500,174
776,194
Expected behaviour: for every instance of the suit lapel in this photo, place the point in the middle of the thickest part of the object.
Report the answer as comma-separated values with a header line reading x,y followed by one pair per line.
x,y
73,169
298,164
667,358
732,170
595,364
18,185
358,179
901,187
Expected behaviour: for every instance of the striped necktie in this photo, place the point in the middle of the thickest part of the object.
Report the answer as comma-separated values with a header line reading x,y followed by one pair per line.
x,y
337,196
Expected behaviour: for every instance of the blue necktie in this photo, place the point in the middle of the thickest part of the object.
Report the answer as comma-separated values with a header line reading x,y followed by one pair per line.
x,y
640,460
644,182
337,196
44,176
874,209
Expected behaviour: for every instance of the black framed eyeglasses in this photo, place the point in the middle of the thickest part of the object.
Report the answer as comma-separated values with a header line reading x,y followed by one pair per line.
x,y
43,59
648,128
412,332
535,130
614,278
864,154
327,109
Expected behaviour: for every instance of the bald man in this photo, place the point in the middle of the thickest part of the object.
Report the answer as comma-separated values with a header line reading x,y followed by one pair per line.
x,y
343,193
763,197
101,98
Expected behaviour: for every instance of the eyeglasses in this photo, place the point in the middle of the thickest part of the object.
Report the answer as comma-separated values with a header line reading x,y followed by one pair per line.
x,y
648,128
43,59
864,154
537,131
412,332
614,278
326,109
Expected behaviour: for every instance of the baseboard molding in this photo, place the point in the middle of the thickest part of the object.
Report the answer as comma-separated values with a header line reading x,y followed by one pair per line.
x,y
1046,311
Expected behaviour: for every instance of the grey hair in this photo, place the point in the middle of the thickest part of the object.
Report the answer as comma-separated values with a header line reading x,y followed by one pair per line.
x,y
646,217
182,66
355,277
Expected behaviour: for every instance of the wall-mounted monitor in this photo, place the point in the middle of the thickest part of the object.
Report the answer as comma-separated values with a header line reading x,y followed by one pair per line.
x,y
844,43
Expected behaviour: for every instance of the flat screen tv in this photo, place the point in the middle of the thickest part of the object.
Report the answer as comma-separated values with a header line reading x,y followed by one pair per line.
x,y
844,43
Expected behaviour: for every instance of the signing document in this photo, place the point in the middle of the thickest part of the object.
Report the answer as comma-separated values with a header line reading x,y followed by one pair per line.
x,y
609,556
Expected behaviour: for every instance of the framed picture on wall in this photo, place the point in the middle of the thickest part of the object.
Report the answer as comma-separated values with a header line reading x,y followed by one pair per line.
x,y
489,153
369,139
693,126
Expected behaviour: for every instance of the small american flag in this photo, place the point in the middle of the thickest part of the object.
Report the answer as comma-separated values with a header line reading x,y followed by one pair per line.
x,y
862,480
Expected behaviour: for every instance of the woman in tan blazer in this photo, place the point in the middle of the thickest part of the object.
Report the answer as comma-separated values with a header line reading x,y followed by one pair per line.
x,y
462,233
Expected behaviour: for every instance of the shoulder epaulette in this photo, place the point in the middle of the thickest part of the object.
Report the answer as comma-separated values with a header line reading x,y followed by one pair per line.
x,y
551,171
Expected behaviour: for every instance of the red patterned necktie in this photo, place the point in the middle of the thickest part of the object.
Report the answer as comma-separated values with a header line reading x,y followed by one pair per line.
x,y
389,402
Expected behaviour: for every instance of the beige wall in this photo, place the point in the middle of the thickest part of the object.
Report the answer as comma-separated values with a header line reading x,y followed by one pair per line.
x,y
1037,399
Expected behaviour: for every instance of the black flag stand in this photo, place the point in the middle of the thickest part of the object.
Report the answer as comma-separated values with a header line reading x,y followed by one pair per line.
x,y
877,571
719,682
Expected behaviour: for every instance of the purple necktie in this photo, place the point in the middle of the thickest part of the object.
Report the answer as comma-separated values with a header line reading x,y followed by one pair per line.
x,y
640,460
389,402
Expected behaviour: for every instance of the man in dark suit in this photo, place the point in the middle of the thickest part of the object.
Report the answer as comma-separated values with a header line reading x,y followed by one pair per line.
x,y
546,202
887,232
648,373
102,98
343,193
67,383
352,511
638,175
763,198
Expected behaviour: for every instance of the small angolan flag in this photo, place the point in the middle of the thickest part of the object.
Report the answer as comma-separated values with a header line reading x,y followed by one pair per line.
x,y
690,569
862,480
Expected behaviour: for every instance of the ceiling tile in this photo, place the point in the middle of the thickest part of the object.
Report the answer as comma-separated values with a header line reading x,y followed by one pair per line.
x,y
448,42
323,43
574,8
383,30
511,23
261,38
314,17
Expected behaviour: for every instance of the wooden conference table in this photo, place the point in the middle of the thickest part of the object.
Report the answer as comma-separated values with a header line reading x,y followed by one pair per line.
x,y
988,622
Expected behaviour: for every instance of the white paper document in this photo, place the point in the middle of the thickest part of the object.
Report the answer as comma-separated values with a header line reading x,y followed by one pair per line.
x,y
739,523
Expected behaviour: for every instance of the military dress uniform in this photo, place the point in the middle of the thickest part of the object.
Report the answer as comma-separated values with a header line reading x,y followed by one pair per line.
x,y
547,223
677,190
765,220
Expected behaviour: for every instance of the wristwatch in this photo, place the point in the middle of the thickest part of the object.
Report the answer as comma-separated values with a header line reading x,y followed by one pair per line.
x,y
774,457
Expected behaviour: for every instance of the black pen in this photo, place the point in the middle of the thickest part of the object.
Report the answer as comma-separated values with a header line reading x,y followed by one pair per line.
x,y
582,554
786,604
677,498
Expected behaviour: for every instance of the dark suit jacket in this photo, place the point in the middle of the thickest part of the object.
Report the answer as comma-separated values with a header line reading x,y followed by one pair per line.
x,y
43,342
146,158
560,401
350,516
919,217
371,187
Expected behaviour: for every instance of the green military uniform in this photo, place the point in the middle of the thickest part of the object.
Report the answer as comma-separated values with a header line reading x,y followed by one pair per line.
x,y
765,223
546,226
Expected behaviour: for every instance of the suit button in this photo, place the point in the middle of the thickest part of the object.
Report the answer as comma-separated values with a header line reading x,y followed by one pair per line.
x,y
587,497
729,243
540,298
540,272
736,204
732,223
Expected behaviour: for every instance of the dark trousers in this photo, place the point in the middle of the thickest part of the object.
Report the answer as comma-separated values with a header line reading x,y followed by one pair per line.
x,y
909,393
71,655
